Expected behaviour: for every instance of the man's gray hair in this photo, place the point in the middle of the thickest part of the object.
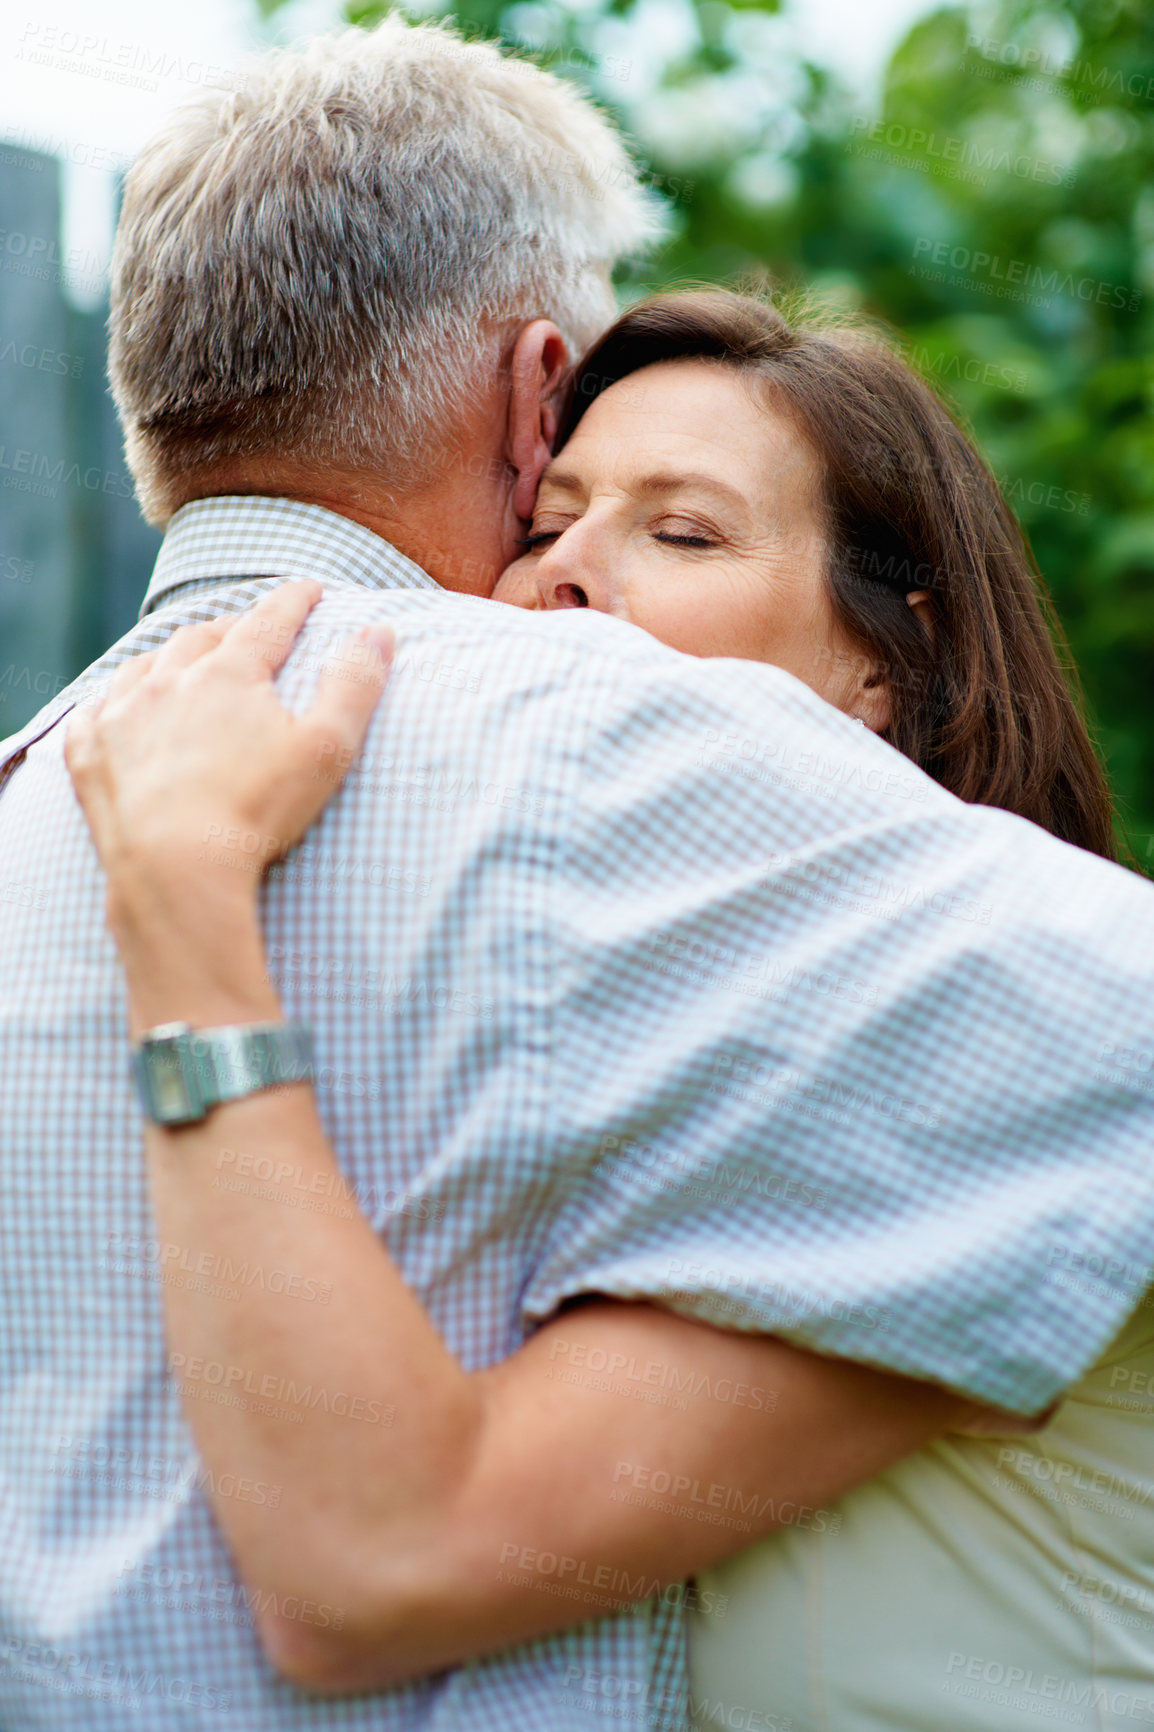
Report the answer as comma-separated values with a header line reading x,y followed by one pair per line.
x,y
324,265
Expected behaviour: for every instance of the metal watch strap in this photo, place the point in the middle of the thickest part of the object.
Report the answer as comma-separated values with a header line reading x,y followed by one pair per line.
x,y
182,1072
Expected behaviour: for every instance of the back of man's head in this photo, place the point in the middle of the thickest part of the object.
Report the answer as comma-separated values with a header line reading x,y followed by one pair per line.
x,y
324,266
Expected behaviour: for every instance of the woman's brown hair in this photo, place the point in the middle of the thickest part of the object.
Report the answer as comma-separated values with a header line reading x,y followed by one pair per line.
x,y
981,701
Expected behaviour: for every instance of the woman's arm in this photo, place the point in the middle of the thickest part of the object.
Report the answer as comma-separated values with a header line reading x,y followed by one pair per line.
x,y
411,1515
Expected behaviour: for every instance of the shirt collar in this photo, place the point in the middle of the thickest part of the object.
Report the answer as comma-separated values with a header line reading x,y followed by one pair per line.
x,y
243,536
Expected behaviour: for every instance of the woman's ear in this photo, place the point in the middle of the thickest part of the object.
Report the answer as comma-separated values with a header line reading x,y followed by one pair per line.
x,y
872,702
856,683
537,371
919,600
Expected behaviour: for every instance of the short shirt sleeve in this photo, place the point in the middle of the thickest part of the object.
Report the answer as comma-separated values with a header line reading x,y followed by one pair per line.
x,y
838,1057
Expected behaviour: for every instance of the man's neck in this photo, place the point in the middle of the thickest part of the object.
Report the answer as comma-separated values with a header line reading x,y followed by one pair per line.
x,y
459,530
438,533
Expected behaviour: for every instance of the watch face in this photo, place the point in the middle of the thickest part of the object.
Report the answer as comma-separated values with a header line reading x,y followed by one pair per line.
x,y
167,1084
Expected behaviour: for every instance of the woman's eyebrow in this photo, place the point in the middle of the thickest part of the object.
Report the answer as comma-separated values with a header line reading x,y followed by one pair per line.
x,y
563,480
672,481
666,481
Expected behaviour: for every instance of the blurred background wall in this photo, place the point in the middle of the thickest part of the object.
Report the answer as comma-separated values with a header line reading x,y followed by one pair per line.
x,y
979,177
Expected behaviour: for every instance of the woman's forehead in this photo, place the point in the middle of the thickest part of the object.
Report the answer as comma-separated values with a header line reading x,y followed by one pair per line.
x,y
703,419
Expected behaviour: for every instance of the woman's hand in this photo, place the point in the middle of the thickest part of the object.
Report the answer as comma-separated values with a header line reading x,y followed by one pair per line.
x,y
193,776
191,759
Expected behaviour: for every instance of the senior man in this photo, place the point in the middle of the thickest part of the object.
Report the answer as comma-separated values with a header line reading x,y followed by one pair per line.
x,y
344,301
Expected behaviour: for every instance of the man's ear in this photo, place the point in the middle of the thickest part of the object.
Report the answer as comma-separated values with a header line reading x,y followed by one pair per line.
x,y
537,371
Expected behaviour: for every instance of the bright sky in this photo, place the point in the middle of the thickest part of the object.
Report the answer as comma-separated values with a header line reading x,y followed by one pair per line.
x,y
93,92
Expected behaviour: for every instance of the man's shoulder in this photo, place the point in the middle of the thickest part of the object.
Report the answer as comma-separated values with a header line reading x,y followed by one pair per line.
x,y
584,700
561,673
576,634
469,643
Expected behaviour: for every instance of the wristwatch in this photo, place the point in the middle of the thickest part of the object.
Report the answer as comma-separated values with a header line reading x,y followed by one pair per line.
x,y
181,1073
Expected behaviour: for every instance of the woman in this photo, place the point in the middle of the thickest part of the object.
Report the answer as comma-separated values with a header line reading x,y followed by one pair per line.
x,y
834,520
884,569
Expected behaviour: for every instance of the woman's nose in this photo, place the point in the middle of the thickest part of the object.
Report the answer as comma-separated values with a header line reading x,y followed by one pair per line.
x,y
561,594
569,571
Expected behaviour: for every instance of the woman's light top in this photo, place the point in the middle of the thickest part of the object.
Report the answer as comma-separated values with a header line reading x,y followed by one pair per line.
x,y
983,1585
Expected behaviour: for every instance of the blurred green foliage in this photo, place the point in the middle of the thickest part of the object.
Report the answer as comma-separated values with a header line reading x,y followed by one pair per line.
x,y
998,210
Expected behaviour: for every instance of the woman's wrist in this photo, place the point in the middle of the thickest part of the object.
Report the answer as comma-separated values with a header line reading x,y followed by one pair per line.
x,y
191,945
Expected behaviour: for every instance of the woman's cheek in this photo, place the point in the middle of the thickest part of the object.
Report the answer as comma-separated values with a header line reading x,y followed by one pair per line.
x,y
681,621
516,584
706,616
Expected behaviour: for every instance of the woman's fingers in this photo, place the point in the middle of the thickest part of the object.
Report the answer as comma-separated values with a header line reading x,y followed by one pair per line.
x,y
78,737
157,766
128,674
262,639
348,691
189,642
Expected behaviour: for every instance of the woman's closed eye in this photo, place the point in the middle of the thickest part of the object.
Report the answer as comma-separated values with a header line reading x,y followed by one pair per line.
x,y
685,538
679,529
676,534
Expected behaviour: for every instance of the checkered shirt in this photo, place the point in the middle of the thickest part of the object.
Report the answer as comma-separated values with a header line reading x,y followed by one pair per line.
x,y
629,973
